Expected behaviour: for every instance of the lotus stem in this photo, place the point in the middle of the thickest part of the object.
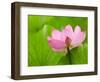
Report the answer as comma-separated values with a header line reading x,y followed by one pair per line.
x,y
69,55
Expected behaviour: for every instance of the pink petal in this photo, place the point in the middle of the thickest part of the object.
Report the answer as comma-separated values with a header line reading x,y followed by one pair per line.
x,y
56,45
58,50
69,28
68,31
49,38
77,29
78,39
56,34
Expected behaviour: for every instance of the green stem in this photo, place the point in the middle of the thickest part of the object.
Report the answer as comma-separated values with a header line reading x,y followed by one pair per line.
x,y
69,56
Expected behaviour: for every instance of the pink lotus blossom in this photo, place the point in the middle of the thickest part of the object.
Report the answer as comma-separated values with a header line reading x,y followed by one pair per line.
x,y
67,38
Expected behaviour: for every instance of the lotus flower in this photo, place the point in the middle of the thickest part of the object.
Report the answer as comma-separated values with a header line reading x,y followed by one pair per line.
x,y
67,38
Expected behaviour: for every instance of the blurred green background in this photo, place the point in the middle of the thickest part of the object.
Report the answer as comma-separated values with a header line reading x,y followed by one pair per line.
x,y
40,53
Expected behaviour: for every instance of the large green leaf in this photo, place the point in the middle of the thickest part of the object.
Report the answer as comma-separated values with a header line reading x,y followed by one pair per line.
x,y
39,51
79,55
35,23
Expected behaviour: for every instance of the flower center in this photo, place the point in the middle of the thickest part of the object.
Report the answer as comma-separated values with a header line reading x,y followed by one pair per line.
x,y
68,42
